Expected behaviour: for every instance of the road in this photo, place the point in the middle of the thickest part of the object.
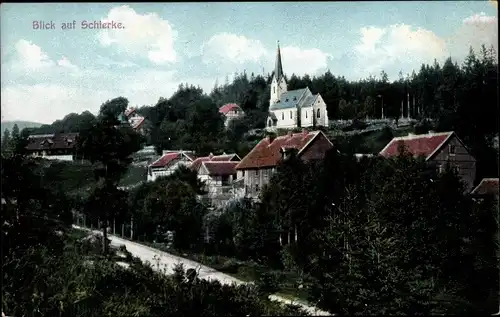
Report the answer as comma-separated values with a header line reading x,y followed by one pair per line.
x,y
165,261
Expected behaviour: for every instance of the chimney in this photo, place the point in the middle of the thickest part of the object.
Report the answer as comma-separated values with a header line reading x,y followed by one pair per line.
x,y
211,155
431,132
271,138
305,132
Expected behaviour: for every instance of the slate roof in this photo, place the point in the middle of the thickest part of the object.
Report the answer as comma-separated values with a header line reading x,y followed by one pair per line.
x,y
289,99
58,141
220,168
423,144
309,101
213,158
228,107
169,157
267,152
487,186
278,67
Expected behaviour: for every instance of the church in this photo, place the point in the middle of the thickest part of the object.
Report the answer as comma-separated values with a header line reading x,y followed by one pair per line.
x,y
290,109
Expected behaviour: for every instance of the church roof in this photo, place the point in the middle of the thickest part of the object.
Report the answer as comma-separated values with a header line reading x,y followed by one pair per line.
x,y
309,101
288,99
278,68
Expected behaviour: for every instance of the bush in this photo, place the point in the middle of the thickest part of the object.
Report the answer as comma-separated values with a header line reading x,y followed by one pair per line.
x,y
269,282
231,266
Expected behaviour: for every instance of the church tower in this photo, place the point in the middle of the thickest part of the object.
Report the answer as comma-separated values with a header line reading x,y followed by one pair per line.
x,y
278,85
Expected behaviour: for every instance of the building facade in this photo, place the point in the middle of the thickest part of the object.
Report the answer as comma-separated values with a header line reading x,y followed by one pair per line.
x,y
168,163
230,112
59,146
290,109
440,149
259,165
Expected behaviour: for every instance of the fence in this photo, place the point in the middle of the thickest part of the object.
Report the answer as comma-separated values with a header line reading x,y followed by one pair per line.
x,y
123,229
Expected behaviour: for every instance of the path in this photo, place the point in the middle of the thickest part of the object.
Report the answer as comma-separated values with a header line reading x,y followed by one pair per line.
x,y
166,261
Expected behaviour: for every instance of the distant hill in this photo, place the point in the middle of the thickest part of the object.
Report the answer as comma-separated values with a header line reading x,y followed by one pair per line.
x,y
21,124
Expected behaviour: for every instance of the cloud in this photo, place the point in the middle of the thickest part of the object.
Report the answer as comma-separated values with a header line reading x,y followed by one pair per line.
x,y
235,48
65,62
408,47
145,35
31,56
228,52
303,61
476,30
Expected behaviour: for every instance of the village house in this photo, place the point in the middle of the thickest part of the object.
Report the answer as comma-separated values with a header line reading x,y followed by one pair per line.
x,y
230,112
257,166
168,163
293,108
487,186
218,173
59,146
135,121
439,149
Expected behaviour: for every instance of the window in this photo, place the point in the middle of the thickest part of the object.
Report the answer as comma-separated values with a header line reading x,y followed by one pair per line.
x,y
256,187
286,100
256,172
243,173
282,116
274,90
269,123
451,149
291,115
306,114
318,113
318,100
440,168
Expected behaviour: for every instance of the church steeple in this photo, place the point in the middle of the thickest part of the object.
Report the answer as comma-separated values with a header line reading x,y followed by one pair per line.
x,y
278,68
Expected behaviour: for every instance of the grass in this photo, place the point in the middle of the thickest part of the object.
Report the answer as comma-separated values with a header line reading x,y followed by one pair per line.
x,y
134,175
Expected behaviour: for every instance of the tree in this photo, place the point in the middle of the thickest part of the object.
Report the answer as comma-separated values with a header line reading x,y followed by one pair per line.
x,y
5,140
108,147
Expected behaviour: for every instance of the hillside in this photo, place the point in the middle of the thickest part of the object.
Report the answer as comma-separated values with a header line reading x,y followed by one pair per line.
x,y
21,124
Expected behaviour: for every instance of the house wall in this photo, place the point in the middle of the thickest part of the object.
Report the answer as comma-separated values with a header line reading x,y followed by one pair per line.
x,y
318,149
308,112
465,162
161,172
256,179
284,119
60,155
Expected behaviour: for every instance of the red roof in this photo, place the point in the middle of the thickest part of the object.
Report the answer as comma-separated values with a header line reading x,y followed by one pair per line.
x,y
267,153
213,158
220,168
228,107
487,186
129,111
165,159
422,144
137,124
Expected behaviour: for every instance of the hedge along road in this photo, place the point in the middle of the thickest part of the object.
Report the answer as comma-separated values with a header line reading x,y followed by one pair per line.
x,y
161,260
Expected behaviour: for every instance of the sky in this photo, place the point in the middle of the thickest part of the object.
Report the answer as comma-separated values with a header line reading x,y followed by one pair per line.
x,y
152,48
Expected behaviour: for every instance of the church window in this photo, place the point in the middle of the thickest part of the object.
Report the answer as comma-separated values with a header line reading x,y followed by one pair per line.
x,y
282,116
274,90
318,113
306,114
318,100
291,115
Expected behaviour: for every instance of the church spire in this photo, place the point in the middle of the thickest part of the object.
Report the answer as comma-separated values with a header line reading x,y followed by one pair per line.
x,y
278,69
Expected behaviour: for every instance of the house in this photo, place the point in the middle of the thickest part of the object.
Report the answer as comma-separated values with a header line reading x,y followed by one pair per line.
x,y
59,146
168,163
136,121
231,111
487,186
218,172
293,108
257,167
440,149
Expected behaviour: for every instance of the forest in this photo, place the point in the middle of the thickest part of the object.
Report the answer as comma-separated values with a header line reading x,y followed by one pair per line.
x,y
377,236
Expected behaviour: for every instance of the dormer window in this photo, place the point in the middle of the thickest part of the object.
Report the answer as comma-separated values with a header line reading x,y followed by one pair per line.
x,y
294,98
286,100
